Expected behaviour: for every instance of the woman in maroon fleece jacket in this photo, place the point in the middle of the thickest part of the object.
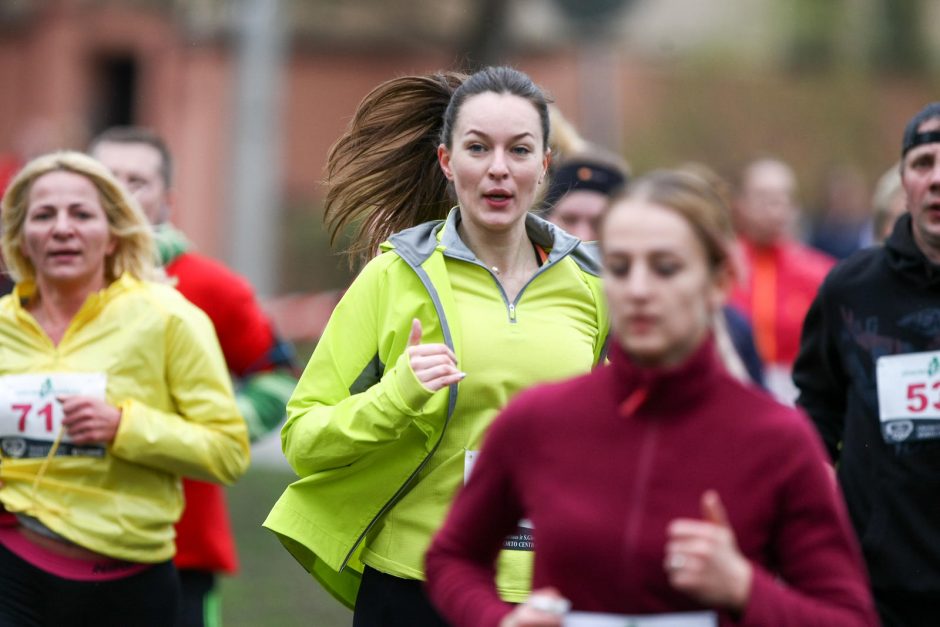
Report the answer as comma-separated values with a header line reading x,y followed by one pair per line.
x,y
658,483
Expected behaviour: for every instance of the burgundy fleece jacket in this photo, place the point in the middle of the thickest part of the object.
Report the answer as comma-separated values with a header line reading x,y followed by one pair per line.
x,y
602,463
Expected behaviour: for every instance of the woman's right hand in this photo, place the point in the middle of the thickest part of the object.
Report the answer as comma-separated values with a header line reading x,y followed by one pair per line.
x,y
435,365
536,611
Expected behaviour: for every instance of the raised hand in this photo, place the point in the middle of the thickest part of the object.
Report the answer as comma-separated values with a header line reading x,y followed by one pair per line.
x,y
435,365
703,559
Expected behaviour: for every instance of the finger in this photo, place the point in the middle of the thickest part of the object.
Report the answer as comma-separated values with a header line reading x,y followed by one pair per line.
x,y
684,528
76,418
414,338
713,510
442,382
699,552
431,349
76,426
431,361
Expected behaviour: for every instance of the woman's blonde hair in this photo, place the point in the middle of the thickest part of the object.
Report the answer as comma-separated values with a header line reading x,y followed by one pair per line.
x,y
134,251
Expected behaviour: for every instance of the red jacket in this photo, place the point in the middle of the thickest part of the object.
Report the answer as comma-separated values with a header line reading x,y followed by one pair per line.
x,y
204,537
781,282
602,463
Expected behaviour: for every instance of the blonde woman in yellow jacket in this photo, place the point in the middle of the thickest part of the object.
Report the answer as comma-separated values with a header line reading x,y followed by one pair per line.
x,y
112,386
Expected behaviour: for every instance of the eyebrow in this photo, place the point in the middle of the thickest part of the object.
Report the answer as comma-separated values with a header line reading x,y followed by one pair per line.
x,y
473,131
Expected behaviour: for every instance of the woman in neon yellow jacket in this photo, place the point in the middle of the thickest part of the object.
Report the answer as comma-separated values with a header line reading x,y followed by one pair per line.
x,y
112,386
436,334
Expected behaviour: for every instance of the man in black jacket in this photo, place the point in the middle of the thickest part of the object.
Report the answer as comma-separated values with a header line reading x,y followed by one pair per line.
x,y
869,377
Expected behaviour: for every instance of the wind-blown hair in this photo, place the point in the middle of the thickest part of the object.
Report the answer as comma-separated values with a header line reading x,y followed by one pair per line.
x,y
383,172
134,252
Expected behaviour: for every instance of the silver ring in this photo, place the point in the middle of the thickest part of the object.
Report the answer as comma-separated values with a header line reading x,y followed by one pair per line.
x,y
676,561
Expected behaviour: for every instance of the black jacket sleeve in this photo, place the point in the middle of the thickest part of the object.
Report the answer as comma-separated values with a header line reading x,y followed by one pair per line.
x,y
818,372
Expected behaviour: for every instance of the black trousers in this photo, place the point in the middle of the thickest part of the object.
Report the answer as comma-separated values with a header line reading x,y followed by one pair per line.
x,y
199,601
30,597
388,601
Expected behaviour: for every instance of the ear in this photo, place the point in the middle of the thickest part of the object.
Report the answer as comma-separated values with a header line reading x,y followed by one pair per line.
x,y
443,157
546,162
112,245
721,286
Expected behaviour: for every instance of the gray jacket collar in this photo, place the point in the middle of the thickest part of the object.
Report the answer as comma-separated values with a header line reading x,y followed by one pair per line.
x,y
415,245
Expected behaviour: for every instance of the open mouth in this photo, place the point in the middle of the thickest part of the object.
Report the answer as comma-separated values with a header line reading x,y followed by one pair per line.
x,y
64,254
498,198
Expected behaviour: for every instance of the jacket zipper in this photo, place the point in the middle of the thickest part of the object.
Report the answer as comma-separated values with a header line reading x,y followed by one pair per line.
x,y
511,307
640,486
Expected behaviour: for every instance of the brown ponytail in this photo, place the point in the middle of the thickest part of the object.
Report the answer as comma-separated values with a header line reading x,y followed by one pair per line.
x,y
383,171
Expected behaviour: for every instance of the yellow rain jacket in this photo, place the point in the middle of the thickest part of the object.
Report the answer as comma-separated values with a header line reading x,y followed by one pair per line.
x,y
165,371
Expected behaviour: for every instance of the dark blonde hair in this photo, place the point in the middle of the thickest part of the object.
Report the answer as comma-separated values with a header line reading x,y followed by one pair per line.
x,y
695,198
134,252
383,171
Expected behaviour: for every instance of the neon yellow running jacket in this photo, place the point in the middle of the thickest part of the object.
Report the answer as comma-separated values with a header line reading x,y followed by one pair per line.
x,y
362,429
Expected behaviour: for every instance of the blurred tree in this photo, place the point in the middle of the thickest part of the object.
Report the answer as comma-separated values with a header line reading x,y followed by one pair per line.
x,y
591,13
486,43
814,25
899,44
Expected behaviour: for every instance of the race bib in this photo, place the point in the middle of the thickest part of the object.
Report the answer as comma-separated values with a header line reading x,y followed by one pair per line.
x,y
521,540
31,416
909,396
681,619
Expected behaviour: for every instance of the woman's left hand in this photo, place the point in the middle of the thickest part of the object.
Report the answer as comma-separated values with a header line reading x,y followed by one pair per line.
x,y
703,559
90,420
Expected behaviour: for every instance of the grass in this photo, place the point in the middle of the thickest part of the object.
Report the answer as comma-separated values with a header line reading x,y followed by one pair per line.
x,y
271,589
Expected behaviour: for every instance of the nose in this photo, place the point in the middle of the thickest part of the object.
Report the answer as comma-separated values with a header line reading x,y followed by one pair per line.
x,y
637,283
935,176
62,226
499,167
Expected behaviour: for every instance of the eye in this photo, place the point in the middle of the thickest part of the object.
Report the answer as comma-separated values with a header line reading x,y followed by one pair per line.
x,y
41,215
476,147
135,183
521,150
618,268
666,267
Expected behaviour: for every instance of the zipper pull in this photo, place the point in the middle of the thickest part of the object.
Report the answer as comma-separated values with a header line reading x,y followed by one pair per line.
x,y
512,312
633,402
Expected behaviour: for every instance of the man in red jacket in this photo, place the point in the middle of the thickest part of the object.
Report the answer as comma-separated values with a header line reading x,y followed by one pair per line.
x,y
781,274
260,363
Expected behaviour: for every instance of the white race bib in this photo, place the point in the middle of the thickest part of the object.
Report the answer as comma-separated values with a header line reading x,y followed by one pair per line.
x,y
31,415
682,619
909,396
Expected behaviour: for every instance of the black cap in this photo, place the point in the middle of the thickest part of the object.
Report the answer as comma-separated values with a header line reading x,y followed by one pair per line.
x,y
584,174
912,138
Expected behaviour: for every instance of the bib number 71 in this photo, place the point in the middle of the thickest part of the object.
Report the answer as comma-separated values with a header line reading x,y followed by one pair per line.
x,y
24,410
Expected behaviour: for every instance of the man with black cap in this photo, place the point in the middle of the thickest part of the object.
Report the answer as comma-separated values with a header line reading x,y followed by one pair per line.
x,y
869,377
580,189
